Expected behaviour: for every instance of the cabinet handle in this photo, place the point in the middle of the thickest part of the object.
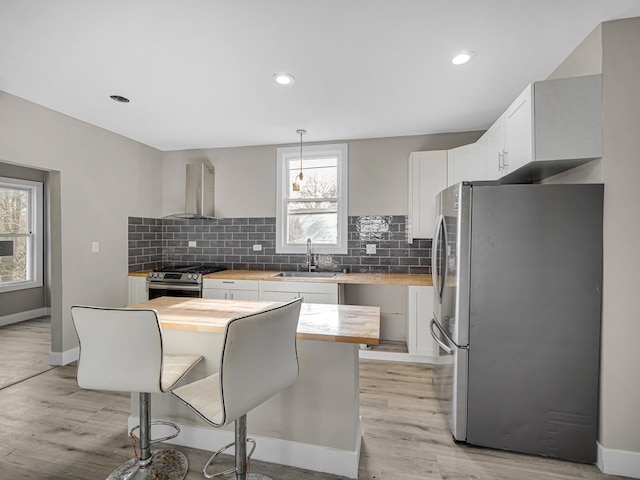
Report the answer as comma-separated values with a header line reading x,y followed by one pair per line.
x,y
225,295
500,154
231,295
505,156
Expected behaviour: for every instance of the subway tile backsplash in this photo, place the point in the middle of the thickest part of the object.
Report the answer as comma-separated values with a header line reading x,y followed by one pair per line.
x,y
229,242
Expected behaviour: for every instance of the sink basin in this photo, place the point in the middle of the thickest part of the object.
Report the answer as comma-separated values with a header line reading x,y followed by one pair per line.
x,y
305,274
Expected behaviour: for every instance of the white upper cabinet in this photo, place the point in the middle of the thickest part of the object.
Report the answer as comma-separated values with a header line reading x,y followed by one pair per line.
x,y
518,133
427,178
462,164
552,126
506,145
491,151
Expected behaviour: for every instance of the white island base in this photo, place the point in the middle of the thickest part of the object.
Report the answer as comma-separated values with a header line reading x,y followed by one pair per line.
x,y
314,424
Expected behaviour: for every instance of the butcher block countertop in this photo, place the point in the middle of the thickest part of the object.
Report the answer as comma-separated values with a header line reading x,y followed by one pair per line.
x,y
327,323
345,278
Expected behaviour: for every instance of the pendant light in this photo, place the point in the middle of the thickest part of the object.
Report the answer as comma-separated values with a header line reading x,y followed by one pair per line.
x,y
296,185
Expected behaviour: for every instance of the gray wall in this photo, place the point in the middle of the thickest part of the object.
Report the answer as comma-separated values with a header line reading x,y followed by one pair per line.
x,y
97,180
245,180
32,298
614,48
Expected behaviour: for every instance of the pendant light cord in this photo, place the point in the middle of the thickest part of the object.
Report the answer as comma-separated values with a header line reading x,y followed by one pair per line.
x,y
300,132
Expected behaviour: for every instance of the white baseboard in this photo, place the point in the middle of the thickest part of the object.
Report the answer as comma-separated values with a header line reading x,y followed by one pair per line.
x,y
300,455
618,462
63,358
22,316
396,357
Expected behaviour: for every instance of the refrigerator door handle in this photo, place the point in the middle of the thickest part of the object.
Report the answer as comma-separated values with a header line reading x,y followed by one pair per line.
x,y
437,338
440,279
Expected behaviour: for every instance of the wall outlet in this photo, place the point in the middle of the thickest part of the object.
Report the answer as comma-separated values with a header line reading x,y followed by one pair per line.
x,y
192,243
257,247
371,248
95,247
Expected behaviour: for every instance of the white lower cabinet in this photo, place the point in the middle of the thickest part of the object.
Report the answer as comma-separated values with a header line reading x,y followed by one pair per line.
x,y
419,340
231,289
310,292
138,291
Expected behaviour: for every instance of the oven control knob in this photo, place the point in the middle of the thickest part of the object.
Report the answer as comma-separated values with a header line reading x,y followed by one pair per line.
x,y
191,276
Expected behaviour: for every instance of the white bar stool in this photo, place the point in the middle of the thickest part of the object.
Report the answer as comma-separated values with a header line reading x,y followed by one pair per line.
x,y
121,350
258,360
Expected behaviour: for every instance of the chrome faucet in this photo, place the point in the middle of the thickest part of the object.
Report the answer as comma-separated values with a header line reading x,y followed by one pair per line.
x,y
310,264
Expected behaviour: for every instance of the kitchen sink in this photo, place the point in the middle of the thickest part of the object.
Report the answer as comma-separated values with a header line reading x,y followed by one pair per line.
x,y
305,275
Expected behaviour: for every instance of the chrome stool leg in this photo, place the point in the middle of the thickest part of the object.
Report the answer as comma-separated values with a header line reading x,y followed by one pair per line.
x,y
152,464
240,468
241,452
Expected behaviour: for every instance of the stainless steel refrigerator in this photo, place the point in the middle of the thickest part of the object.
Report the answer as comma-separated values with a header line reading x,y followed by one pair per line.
x,y
517,274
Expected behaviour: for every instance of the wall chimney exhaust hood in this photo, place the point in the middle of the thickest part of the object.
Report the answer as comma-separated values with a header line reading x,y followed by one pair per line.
x,y
199,192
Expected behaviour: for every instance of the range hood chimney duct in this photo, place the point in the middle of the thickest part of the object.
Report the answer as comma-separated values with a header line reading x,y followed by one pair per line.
x,y
199,192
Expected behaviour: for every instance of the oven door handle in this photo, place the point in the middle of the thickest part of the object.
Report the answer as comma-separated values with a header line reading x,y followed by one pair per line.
x,y
173,286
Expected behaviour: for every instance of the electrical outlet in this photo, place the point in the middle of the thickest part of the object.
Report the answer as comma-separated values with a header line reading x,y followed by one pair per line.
x,y
257,247
192,243
95,247
371,248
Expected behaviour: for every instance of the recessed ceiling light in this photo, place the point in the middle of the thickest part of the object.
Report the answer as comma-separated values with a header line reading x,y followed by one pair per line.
x,y
119,98
283,79
463,57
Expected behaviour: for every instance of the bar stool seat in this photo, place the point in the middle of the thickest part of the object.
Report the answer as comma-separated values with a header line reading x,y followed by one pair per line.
x,y
259,359
121,349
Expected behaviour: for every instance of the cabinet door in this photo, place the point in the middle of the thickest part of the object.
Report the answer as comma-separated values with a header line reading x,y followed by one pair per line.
x,y
427,177
243,294
481,158
273,296
217,293
494,140
419,340
138,291
327,298
518,132
461,164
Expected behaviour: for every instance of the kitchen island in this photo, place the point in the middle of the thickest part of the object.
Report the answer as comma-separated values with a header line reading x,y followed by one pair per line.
x,y
315,423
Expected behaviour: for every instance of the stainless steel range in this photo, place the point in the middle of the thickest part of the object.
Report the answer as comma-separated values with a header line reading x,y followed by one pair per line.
x,y
179,281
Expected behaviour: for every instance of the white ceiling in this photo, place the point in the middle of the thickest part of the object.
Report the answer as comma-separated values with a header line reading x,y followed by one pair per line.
x,y
199,72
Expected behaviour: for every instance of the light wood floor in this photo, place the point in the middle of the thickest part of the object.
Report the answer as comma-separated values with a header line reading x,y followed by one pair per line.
x,y
24,350
50,429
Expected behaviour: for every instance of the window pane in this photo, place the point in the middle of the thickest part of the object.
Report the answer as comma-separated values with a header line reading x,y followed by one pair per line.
x,y
14,268
14,210
319,178
321,226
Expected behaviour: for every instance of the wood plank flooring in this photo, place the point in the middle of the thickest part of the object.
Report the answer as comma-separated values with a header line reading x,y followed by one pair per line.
x,y
24,349
50,429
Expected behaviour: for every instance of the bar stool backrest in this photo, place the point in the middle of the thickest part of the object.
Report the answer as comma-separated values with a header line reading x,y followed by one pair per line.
x,y
259,358
120,349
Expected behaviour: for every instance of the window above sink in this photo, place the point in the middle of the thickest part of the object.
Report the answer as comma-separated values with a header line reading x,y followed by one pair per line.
x,y
316,207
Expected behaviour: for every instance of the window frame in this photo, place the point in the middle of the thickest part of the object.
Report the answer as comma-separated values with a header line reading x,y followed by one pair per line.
x,y
35,255
286,154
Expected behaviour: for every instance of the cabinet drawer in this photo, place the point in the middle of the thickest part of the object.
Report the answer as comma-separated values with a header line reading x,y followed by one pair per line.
x,y
231,284
301,287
